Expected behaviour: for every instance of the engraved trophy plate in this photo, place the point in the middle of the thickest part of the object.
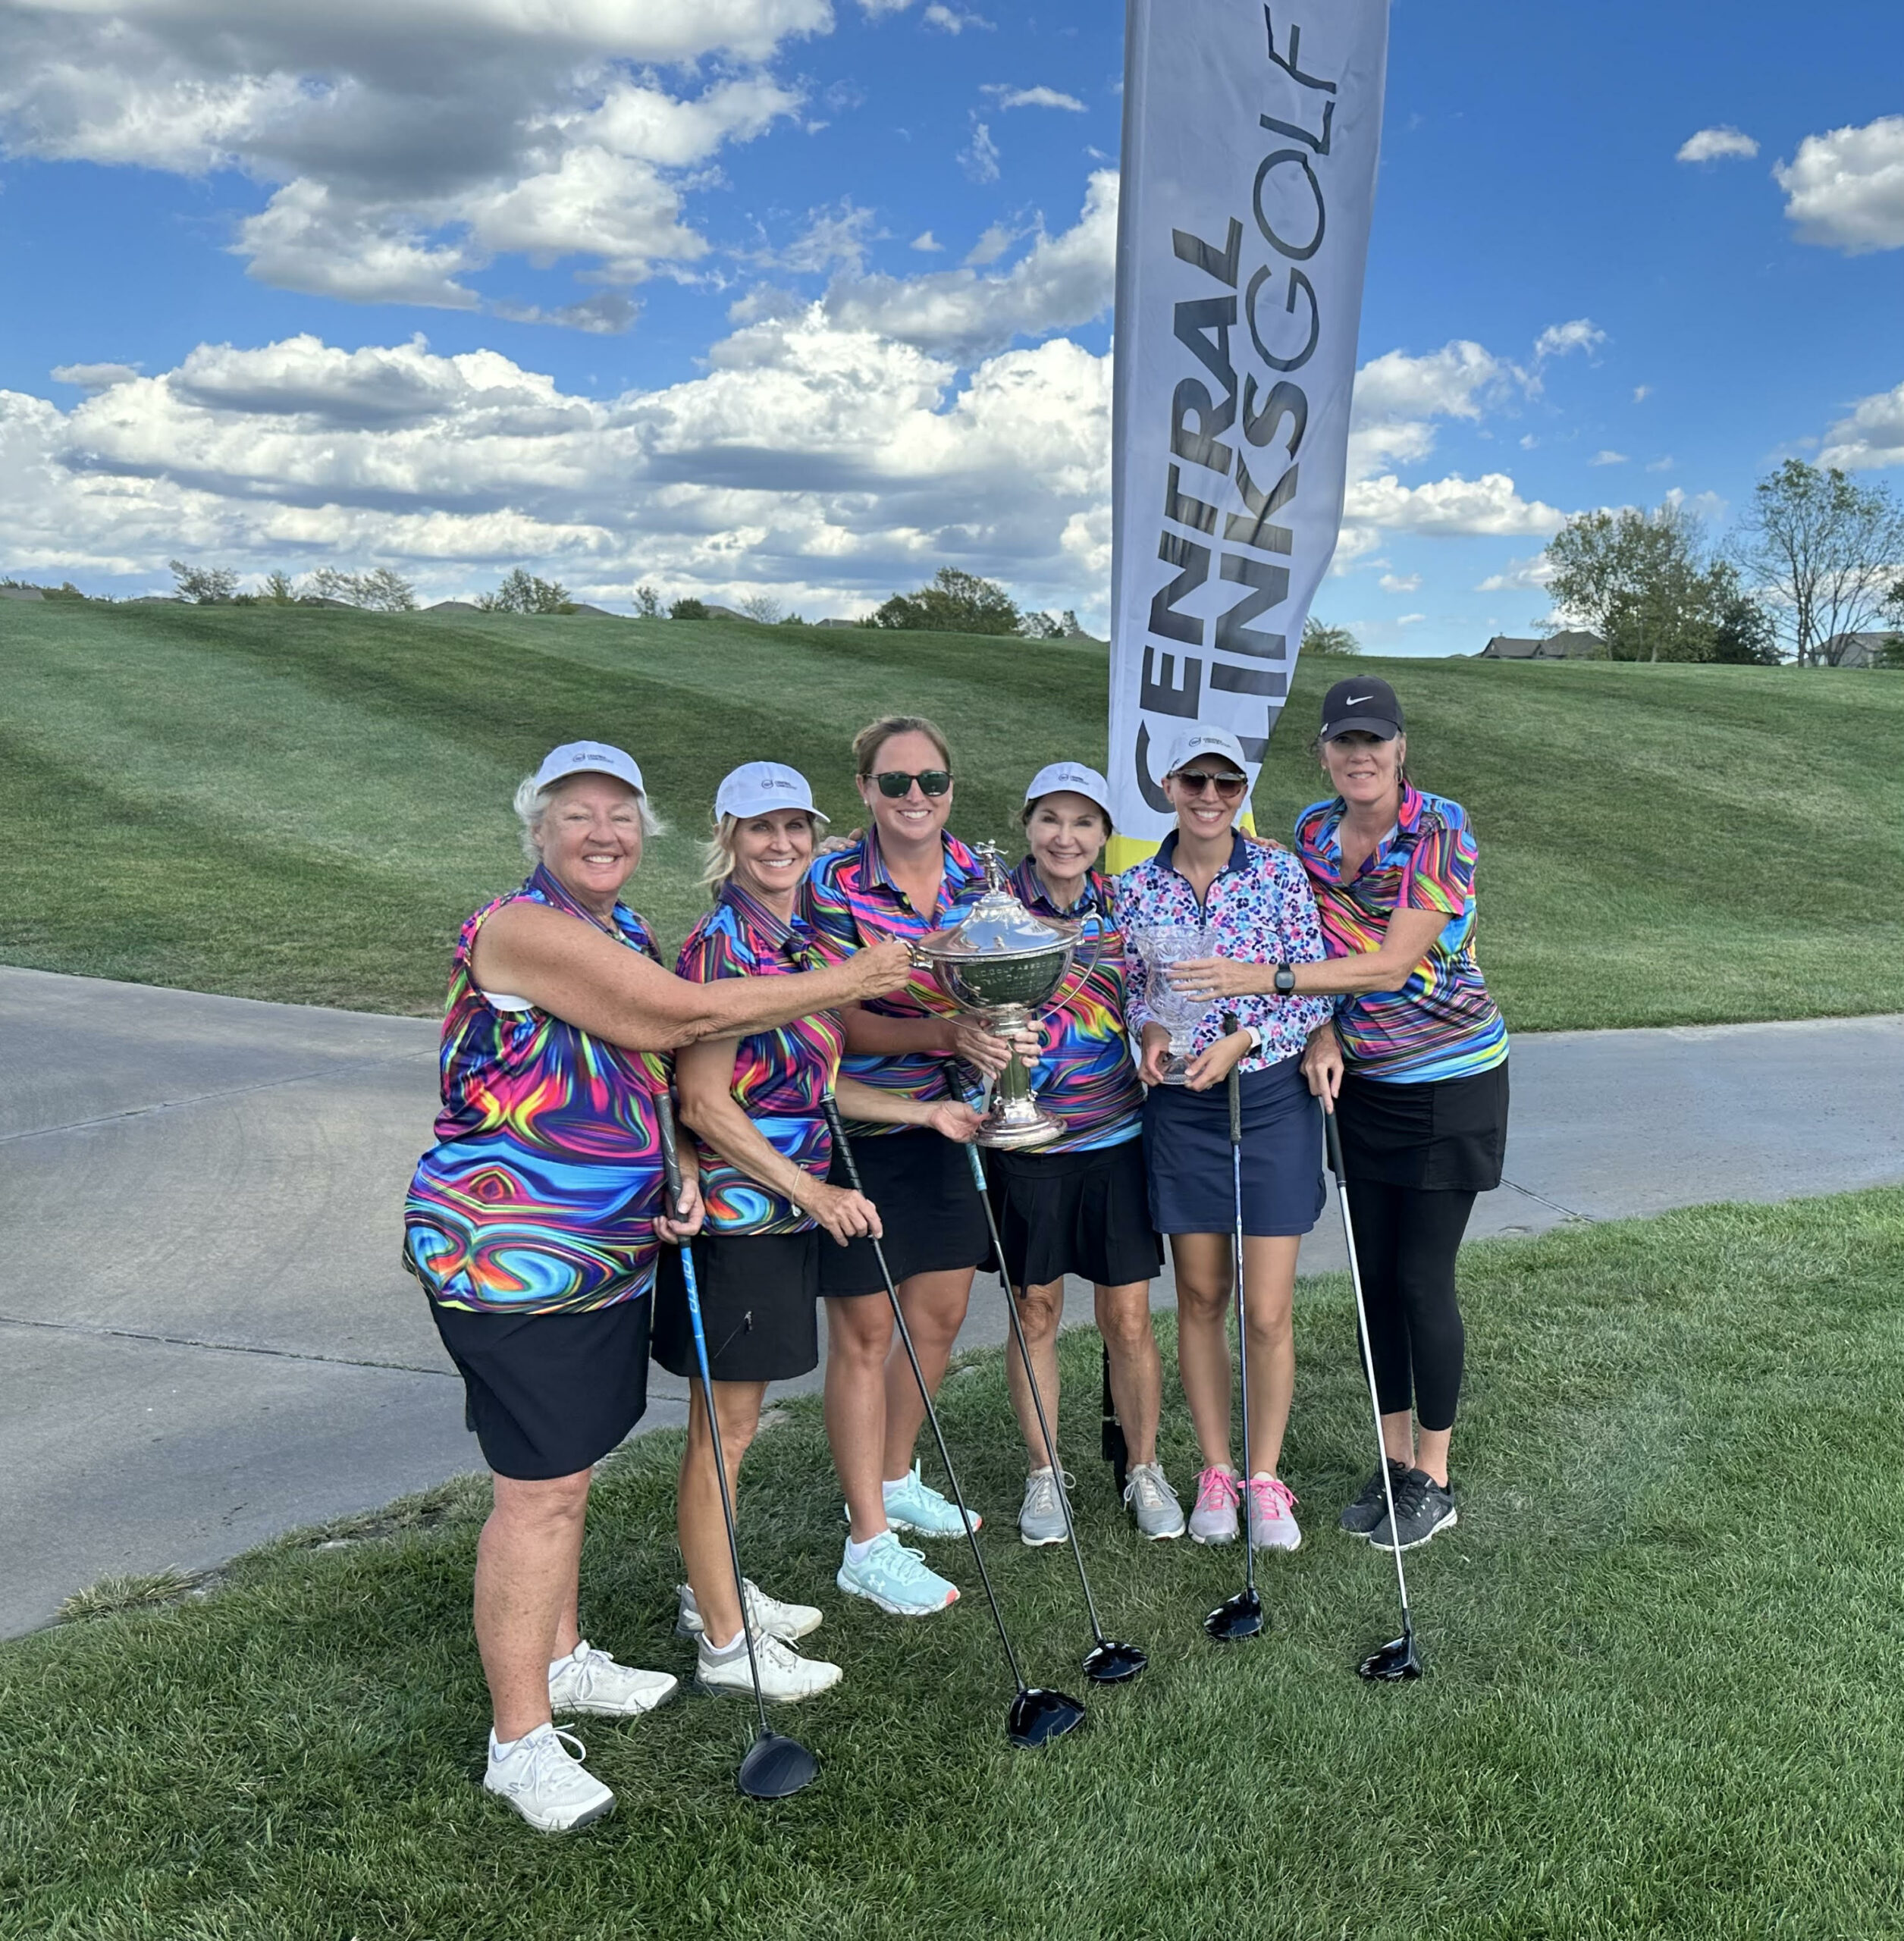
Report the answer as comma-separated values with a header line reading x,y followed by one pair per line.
x,y
1170,944
1002,965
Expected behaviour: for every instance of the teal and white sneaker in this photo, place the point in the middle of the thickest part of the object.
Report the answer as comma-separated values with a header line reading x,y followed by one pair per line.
x,y
911,1504
896,1579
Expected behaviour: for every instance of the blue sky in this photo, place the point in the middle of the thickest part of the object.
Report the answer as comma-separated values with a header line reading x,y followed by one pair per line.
x,y
286,261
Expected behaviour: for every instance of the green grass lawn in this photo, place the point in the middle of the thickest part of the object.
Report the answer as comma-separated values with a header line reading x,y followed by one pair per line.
x,y
303,804
1662,1698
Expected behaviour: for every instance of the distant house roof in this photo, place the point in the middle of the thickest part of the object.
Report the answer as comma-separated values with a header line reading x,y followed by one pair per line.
x,y
1859,650
1572,643
453,607
727,613
21,593
835,623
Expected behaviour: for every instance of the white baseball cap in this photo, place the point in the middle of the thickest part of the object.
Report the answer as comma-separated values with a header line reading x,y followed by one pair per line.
x,y
1074,777
587,758
1204,739
758,788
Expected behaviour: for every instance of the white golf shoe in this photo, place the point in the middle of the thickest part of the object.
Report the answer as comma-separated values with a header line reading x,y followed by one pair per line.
x,y
591,1681
785,1676
547,1783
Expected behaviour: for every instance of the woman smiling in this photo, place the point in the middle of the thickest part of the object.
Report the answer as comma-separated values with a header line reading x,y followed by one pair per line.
x,y
534,1223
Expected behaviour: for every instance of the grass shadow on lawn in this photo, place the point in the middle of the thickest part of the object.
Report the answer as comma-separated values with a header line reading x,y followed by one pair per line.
x,y
1660,1699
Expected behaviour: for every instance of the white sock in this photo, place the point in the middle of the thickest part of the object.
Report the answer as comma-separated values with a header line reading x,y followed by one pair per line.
x,y
1045,1471
859,1553
737,1642
898,1482
500,1749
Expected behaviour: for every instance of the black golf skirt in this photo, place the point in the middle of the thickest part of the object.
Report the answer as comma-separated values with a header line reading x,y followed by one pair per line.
x,y
549,1394
760,1306
1450,1134
1082,1213
1187,1153
928,1206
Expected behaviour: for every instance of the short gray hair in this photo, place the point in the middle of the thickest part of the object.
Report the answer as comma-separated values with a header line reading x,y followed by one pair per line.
x,y
533,804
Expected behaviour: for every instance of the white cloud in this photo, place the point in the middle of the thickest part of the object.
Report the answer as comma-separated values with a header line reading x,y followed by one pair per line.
x,y
1005,96
1870,435
1061,281
1845,190
839,235
1581,334
949,20
990,246
1488,504
1716,145
402,145
1608,458
1520,575
979,158
1410,620
1397,397
1401,582
94,377
925,241
1642,393
829,463
1661,464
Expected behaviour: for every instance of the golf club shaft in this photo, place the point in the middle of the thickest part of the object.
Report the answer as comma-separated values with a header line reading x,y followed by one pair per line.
x,y
1031,1380
671,1165
845,1150
1334,1134
1242,1311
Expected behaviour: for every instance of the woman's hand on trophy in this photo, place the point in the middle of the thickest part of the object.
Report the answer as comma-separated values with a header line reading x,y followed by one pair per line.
x,y
1154,1048
1209,978
1211,1067
990,1052
845,1215
953,1119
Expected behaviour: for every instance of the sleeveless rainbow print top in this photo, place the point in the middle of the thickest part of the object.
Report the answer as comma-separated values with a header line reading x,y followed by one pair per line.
x,y
541,1193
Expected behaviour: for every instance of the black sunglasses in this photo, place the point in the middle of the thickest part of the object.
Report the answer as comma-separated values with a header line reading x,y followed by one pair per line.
x,y
931,781
1229,787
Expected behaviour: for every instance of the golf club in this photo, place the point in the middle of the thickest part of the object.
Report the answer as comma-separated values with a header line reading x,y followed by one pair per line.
x,y
1107,1662
1240,1616
1037,1715
775,1765
1398,1658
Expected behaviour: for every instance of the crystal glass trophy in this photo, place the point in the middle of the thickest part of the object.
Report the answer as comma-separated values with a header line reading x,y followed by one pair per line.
x,y
1169,944
1002,964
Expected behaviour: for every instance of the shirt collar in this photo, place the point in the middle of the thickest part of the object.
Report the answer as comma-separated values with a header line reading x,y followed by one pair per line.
x,y
544,883
775,932
961,866
1028,886
1239,857
1328,836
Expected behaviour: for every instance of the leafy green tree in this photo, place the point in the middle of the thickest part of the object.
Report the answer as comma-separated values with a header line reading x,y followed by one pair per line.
x,y
954,603
205,586
688,609
278,590
647,602
1824,552
1328,643
1646,582
523,592
1041,626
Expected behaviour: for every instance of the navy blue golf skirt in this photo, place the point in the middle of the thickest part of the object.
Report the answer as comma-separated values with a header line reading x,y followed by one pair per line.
x,y
1186,1154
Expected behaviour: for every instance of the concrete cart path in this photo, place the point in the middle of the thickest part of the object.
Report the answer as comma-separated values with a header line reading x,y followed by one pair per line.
x,y
205,1338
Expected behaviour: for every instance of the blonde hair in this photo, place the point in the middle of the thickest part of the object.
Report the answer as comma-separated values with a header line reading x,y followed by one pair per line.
x,y
867,743
532,804
718,856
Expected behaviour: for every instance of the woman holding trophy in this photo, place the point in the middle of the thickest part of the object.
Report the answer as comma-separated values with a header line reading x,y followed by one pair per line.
x,y
1217,893
1076,1203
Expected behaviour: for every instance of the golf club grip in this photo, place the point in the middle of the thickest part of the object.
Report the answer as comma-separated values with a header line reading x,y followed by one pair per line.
x,y
1230,1029
670,1151
1332,1140
954,1084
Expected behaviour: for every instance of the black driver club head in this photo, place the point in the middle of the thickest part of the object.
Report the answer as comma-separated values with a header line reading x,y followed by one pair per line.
x,y
1397,1660
1039,1715
1109,1663
1235,1618
775,1766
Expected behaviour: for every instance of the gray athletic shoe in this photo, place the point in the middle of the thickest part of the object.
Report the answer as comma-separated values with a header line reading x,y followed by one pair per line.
x,y
1372,1506
1153,1502
1041,1520
1422,1507
1219,1497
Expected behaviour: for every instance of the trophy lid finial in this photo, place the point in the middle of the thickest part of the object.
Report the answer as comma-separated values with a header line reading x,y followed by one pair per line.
x,y
992,859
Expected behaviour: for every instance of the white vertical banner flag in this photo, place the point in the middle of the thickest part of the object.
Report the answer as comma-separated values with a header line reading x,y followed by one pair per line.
x,y
1250,138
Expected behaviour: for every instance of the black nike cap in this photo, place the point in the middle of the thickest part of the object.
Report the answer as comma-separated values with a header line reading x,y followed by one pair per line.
x,y
1367,706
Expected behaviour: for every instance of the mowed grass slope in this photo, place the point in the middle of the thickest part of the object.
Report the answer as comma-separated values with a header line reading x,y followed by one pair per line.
x,y
1661,1698
303,804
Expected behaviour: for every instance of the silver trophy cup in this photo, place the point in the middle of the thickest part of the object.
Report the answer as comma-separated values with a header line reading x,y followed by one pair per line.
x,y
1002,965
1161,948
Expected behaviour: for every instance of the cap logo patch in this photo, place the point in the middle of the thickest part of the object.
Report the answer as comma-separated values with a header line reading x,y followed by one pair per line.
x,y
1356,700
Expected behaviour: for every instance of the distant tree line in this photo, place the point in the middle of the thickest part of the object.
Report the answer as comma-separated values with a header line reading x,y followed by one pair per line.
x,y
380,590
1817,560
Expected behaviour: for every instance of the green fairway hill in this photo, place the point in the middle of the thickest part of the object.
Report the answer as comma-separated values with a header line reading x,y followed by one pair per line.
x,y
303,804
1661,1698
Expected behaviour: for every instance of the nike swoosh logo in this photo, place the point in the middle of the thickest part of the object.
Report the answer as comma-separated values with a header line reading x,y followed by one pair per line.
x,y
1356,700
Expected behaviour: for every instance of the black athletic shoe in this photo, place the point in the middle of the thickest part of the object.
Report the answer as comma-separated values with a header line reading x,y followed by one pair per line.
x,y
1372,1506
1422,1507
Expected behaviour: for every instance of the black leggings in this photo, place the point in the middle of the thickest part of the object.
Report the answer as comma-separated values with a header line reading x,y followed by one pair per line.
x,y
1406,1238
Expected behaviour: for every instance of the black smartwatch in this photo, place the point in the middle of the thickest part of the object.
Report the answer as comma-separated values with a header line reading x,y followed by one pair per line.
x,y
1285,980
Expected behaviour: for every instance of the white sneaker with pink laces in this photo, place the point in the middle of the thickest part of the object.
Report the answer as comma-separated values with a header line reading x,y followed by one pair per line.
x,y
1272,1527
1219,1495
